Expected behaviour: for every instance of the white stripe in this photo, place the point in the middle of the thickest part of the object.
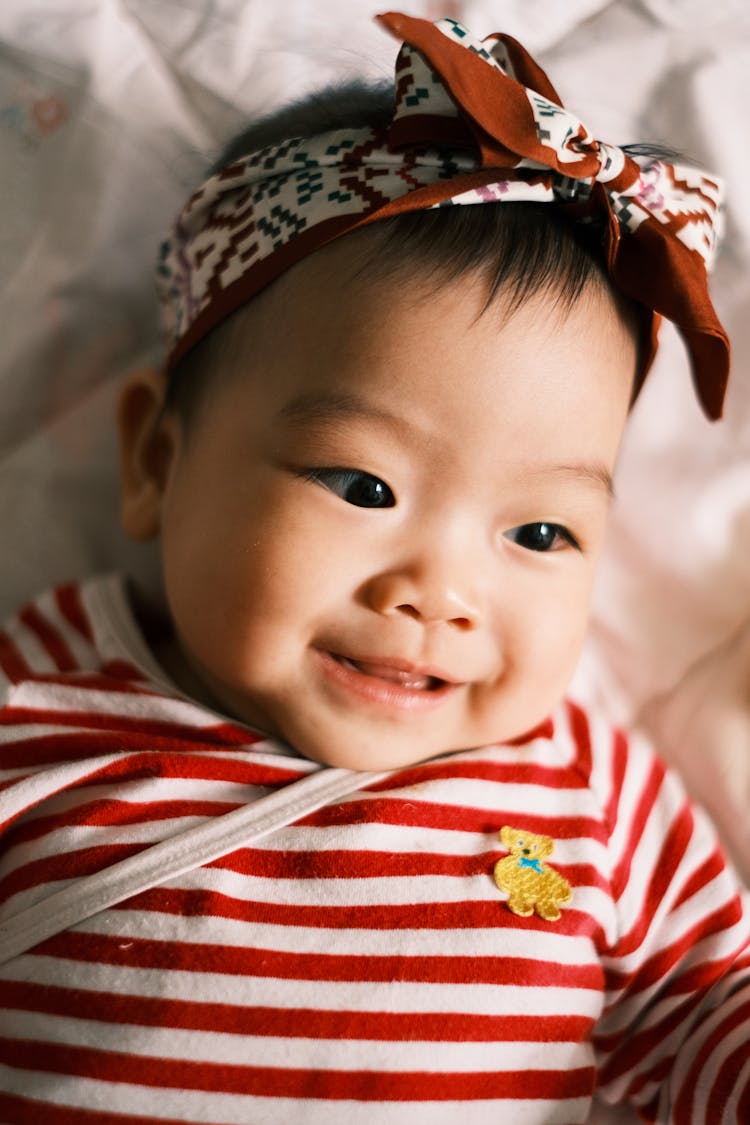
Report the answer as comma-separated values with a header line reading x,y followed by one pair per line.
x,y
233,1109
64,698
31,649
649,1010
340,996
37,787
144,791
711,1065
47,781
397,839
401,890
218,1048
10,733
135,925
81,650
557,753
681,922
486,796
478,796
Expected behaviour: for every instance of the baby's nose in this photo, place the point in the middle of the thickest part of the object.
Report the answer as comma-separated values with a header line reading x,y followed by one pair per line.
x,y
429,595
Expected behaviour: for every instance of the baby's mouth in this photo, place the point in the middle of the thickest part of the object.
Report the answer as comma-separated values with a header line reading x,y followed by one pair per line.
x,y
412,679
390,685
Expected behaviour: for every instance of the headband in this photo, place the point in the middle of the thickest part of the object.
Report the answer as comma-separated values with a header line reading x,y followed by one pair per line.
x,y
475,122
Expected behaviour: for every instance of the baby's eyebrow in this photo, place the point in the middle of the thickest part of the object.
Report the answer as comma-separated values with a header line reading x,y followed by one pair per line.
x,y
333,406
593,473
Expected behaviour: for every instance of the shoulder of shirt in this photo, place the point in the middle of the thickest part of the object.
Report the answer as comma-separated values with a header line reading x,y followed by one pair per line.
x,y
79,646
575,748
76,629
578,748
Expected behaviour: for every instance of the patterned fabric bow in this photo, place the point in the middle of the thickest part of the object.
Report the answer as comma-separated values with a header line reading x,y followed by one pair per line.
x,y
474,123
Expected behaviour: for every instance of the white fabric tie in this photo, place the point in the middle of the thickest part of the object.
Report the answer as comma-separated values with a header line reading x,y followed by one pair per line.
x,y
170,858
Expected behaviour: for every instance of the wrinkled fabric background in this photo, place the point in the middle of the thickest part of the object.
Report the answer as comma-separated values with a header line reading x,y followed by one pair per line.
x,y
111,110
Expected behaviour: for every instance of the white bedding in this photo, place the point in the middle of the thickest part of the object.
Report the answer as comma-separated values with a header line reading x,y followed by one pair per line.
x,y
110,111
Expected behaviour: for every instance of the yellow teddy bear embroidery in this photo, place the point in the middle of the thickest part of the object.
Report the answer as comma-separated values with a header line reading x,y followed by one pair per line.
x,y
530,883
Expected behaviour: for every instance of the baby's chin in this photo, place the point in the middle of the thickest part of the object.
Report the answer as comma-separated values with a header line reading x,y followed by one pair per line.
x,y
372,751
346,741
378,750
364,760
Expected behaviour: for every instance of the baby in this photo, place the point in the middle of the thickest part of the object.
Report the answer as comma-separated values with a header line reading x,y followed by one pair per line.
x,y
379,464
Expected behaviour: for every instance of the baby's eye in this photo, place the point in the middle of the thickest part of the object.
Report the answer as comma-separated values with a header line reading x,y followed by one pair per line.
x,y
355,487
541,537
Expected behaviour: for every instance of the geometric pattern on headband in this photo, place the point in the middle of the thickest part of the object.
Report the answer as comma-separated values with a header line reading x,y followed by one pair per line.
x,y
475,122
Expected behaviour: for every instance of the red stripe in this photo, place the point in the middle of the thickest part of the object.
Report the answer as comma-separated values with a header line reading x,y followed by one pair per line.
x,y
297,866
70,865
96,727
428,917
709,870
111,721
545,730
29,1111
673,846
648,793
256,862
68,602
111,677
124,670
579,727
727,1085
627,1052
293,1023
334,1085
12,662
49,637
693,976
49,749
248,961
618,772
334,864
743,1105
685,1101
517,773
675,842
407,811
407,916
153,757
109,812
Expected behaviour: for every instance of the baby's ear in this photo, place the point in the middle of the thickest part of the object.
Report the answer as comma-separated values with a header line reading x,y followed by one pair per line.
x,y
147,444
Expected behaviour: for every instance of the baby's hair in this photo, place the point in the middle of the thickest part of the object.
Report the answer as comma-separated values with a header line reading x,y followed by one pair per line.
x,y
521,248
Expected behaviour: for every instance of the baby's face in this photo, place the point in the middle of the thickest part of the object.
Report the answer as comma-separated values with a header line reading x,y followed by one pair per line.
x,y
379,537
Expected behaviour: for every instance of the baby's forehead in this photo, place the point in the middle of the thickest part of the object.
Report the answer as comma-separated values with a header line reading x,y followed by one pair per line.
x,y
334,342
378,273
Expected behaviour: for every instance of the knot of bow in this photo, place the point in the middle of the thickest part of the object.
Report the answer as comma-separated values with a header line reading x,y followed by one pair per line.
x,y
662,220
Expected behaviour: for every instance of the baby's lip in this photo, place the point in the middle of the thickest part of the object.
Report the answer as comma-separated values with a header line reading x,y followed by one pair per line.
x,y
404,673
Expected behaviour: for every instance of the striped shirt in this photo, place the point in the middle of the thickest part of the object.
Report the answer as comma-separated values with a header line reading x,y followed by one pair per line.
x,y
361,959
